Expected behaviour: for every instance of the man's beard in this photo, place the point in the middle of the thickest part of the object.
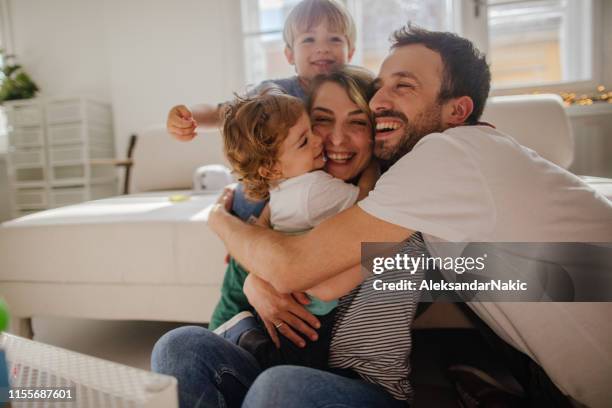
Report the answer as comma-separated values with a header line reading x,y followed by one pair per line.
x,y
426,122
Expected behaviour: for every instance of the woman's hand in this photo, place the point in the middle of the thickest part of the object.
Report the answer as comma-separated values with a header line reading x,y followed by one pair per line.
x,y
282,313
368,179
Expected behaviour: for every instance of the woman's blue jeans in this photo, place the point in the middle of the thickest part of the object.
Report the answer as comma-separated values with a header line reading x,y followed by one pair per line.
x,y
213,372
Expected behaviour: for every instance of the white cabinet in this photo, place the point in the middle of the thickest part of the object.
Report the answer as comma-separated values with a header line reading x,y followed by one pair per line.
x,y
57,152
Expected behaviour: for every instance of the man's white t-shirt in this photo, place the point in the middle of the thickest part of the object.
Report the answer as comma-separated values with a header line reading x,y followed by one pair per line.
x,y
475,184
300,203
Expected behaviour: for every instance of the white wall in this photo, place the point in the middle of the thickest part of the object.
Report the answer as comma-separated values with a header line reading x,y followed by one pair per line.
x,y
141,55
607,43
5,205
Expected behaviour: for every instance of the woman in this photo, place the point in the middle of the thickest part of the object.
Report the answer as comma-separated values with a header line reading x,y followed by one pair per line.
x,y
211,370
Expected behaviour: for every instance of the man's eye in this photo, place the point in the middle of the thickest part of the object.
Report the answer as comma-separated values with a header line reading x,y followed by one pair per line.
x,y
403,85
322,120
359,123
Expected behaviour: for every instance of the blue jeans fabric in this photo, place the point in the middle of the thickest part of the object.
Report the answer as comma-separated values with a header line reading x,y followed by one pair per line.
x,y
213,372
303,387
244,208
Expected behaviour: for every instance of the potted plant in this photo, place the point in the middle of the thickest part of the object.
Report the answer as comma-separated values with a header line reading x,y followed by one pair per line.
x,y
14,82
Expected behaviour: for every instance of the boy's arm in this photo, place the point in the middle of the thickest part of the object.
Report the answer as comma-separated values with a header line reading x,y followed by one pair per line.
x,y
337,286
368,179
183,121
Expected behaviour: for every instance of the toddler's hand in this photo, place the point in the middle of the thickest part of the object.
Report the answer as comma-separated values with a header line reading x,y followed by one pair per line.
x,y
181,124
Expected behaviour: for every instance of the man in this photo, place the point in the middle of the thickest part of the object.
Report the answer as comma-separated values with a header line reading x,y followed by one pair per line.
x,y
455,180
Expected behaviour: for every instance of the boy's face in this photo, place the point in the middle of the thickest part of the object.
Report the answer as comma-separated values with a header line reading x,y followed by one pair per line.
x,y
301,152
318,51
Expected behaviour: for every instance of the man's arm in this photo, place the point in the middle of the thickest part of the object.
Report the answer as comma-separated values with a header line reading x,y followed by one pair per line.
x,y
338,286
297,263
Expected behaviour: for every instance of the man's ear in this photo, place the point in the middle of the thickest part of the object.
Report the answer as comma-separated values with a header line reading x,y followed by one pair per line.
x,y
289,55
457,110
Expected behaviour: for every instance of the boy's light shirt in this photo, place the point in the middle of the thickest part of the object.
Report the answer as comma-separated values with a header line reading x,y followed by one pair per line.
x,y
300,203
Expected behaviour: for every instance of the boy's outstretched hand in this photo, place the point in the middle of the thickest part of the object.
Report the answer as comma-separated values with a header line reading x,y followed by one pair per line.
x,y
181,123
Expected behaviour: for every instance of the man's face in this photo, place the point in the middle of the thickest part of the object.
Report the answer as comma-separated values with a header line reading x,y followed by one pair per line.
x,y
405,105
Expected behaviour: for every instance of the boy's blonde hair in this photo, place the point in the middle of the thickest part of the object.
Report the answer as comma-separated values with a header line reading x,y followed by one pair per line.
x,y
253,132
310,13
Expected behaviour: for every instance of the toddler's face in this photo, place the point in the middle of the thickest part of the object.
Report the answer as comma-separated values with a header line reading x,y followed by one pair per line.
x,y
302,151
318,51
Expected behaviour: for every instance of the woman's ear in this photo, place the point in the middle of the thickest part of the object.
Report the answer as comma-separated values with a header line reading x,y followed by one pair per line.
x,y
457,110
289,55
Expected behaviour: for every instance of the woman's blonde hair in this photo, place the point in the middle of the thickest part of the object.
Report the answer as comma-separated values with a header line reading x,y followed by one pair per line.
x,y
253,131
310,13
356,81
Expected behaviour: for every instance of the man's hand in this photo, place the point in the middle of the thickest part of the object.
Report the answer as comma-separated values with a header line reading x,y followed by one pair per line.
x,y
181,123
281,312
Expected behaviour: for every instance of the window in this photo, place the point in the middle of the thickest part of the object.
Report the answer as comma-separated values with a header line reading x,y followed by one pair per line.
x,y
528,42
535,42
377,19
263,20
262,27
5,43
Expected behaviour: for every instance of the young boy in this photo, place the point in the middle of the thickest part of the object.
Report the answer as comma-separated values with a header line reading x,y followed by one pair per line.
x,y
319,37
270,145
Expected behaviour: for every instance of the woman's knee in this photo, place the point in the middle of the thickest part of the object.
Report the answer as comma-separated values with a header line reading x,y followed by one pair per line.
x,y
278,386
177,345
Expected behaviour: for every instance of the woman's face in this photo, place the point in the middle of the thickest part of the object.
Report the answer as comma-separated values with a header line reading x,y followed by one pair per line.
x,y
346,131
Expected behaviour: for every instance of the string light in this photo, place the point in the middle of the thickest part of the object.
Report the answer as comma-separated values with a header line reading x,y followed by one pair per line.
x,y
570,98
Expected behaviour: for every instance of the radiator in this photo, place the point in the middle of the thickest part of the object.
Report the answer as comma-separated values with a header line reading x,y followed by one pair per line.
x,y
94,383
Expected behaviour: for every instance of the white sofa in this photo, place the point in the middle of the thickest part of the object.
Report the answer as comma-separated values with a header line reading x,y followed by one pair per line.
x,y
145,257
139,256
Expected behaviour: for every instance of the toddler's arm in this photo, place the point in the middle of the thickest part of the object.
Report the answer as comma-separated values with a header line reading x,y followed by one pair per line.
x,y
182,121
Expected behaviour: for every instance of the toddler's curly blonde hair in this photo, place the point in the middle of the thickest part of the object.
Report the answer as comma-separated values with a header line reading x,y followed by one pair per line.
x,y
253,130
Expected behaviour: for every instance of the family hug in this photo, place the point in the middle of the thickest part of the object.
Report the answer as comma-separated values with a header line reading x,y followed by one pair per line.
x,y
337,156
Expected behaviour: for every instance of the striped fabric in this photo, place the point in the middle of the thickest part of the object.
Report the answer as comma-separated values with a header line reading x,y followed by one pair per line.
x,y
371,335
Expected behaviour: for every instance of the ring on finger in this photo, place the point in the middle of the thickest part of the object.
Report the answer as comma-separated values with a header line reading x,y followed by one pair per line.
x,y
279,325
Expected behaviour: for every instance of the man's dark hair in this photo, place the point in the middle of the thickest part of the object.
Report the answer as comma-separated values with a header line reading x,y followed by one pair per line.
x,y
465,72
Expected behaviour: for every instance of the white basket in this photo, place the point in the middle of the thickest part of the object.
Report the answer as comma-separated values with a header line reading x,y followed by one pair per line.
x,y
29,175
22,213
77,153
24,114
61,196
77,173
31,198
26,137
96,383
34,157
73,133
69,111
